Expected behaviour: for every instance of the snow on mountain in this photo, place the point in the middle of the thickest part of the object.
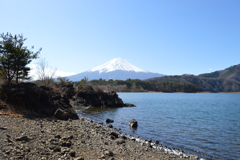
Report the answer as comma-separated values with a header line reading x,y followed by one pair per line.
x,y
116,69
116,64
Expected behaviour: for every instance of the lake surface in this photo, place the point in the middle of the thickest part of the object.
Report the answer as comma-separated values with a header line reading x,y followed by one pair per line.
x,y
206,124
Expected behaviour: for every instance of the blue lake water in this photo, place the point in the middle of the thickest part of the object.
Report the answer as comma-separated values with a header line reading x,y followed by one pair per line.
x,y
206,124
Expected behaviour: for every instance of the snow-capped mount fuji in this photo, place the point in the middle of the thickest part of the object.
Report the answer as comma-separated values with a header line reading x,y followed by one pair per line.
x,y
116,64
117,68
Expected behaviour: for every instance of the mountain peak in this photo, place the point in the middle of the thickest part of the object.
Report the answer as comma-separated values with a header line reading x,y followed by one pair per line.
x,y
116,69
117,64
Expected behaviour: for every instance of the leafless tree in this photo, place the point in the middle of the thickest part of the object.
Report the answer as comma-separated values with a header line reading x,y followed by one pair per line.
x,y
45,73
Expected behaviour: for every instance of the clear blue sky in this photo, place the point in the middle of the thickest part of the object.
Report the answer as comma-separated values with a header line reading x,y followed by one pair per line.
x,y
171,37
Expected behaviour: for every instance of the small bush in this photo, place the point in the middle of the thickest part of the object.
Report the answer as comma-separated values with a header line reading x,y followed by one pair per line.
x,y
63,80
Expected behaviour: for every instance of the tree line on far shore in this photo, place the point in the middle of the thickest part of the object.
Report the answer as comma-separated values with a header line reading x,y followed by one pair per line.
x,y
136,85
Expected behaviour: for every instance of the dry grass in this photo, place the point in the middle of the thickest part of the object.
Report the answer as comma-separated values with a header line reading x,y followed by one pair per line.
x,y
55,90
10,113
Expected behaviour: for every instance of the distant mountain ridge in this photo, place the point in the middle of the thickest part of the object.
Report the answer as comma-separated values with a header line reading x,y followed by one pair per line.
x,y
116,69
232,72
227,80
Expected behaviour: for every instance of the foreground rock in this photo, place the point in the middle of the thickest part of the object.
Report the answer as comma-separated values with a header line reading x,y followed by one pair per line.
x,y
65,114
24,138
41,100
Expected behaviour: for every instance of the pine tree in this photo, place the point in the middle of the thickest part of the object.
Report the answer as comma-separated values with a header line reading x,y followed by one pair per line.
x,y
14,57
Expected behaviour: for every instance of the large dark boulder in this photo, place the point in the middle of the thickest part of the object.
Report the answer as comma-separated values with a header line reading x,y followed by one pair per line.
x,y
133,123
109,120
65,114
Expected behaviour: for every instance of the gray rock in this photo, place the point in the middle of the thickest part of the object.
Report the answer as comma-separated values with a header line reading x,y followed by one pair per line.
x,y
66,144
55,148
149,145
23,138
192,157
123,137
110,126
109,120
133,123
68,137
53,141
3,128
72,153
26,149
58,136
120,142
114,134
108,153
78,158
65,114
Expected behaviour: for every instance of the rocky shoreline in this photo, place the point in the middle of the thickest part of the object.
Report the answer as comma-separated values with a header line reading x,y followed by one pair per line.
x,y
41,123
49,138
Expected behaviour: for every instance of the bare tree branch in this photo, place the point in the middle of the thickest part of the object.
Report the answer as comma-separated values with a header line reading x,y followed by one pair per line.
x,y
45,73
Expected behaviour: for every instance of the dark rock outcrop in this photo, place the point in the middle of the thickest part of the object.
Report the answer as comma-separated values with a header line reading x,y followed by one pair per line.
x,y
86,96
40,100
58,101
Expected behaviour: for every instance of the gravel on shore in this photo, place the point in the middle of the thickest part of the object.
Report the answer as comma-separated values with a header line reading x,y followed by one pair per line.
x,y
51,139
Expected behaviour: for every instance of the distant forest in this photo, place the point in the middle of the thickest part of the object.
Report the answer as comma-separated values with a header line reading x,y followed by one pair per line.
x,y
136,85
227,80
